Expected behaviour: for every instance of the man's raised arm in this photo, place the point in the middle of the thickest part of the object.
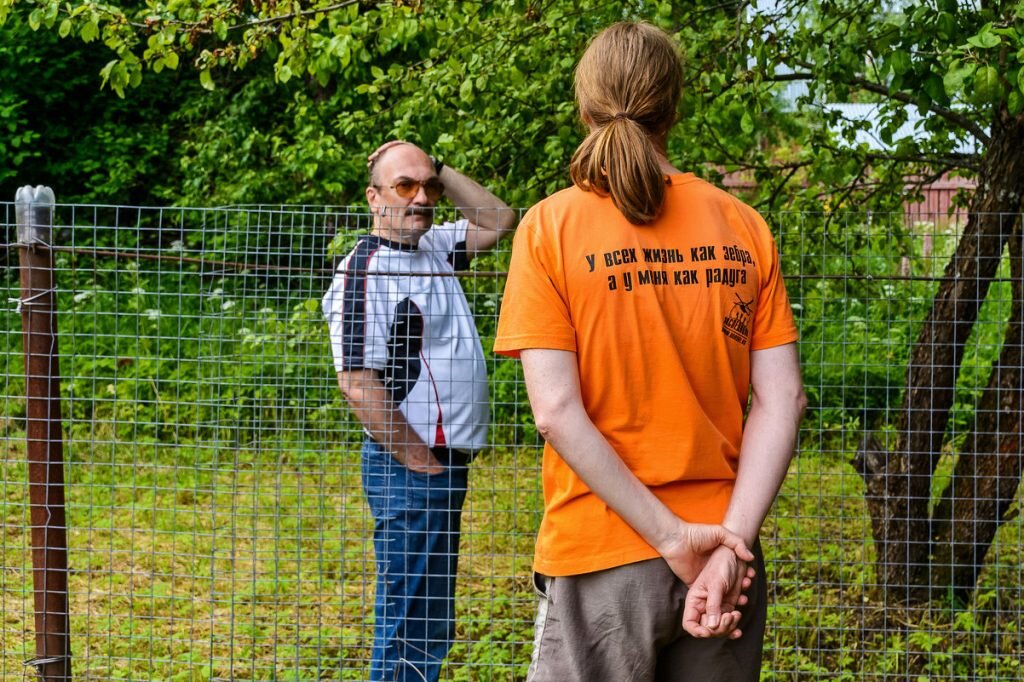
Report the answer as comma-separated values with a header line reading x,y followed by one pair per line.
x,y
489,217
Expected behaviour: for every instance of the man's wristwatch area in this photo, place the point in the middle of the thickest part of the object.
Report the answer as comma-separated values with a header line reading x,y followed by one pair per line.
x,y
438,163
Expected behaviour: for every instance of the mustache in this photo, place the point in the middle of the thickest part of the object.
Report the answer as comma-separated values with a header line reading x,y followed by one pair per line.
x,y
408,211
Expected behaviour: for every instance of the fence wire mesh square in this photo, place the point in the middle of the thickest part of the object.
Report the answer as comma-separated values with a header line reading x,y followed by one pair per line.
x,y
217,525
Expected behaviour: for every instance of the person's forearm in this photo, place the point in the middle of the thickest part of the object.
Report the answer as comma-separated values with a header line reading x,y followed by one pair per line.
x,y
764,459
390,429
373,407
573,435
769,439
552,381
478,205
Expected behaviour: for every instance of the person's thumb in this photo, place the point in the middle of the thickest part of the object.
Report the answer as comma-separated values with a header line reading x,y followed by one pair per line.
x,y
736,544
692,613
713,609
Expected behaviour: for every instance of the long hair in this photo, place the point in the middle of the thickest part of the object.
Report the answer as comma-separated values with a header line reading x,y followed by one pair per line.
x,y
627,88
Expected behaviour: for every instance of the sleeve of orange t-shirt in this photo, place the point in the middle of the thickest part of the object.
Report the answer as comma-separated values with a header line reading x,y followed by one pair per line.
x,y
773,320
534,308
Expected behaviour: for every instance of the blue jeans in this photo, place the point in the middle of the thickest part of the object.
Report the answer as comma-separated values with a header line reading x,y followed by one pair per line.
x,y
416,541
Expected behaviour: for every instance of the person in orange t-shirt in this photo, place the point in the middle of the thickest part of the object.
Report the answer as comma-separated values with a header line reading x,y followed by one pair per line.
x,y
649,313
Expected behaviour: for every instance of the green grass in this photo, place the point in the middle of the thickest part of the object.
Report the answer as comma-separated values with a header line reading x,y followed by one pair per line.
x,y
194,563
198,563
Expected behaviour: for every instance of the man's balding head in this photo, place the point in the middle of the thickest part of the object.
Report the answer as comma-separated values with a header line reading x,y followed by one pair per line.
x,y
402,154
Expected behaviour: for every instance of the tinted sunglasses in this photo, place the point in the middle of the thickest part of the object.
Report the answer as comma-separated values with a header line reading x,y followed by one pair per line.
x,y
407,188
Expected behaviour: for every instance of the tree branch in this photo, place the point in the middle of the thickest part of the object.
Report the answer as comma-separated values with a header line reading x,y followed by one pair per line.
x,y
194,26
783,77
782,185
963,161
948,114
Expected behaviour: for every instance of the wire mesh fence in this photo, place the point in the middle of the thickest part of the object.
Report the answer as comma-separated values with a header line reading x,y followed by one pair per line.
x,y
217,525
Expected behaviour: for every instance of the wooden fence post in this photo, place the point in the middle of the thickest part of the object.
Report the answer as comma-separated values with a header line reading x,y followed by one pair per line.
x,y
34,209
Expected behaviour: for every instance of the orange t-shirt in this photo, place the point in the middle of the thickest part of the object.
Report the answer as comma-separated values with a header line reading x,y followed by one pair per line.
x,y
662,319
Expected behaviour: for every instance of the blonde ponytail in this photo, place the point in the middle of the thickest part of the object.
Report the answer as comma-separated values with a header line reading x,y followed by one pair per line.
x,y
619,160
627,86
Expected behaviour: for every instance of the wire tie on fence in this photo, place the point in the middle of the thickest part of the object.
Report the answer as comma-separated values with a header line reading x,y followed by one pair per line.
x,y
21,302
34,240
38,662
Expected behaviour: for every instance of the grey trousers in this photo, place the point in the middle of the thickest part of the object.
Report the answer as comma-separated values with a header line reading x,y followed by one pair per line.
x,y
625,625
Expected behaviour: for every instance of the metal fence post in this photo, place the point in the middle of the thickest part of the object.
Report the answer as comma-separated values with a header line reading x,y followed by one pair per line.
x,y
38,305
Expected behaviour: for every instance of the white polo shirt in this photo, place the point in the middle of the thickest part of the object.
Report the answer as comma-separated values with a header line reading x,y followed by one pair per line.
x,y
399,309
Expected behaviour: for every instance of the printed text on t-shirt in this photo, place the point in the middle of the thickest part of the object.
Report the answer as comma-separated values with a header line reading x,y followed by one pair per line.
x,y
627,280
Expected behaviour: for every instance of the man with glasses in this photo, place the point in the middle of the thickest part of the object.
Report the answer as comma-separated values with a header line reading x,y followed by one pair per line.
x,y
412,370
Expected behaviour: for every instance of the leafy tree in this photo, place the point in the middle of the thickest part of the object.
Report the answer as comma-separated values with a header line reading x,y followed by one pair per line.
x,y
325,83
302,91
961,66
60,129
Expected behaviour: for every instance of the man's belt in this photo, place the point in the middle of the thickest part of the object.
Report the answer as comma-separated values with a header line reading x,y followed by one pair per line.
x,y
451,456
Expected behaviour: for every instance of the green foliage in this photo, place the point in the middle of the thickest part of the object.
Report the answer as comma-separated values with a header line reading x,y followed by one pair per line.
x,y
486,86
162,351
60,130
826,619
473,82
857,313
860,287
285,101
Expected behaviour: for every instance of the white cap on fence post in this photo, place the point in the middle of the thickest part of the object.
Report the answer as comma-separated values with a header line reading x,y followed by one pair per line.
x,y
34,211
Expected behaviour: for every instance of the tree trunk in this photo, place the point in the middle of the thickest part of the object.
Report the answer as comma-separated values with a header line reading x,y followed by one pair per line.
x,y
898,479
988,470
